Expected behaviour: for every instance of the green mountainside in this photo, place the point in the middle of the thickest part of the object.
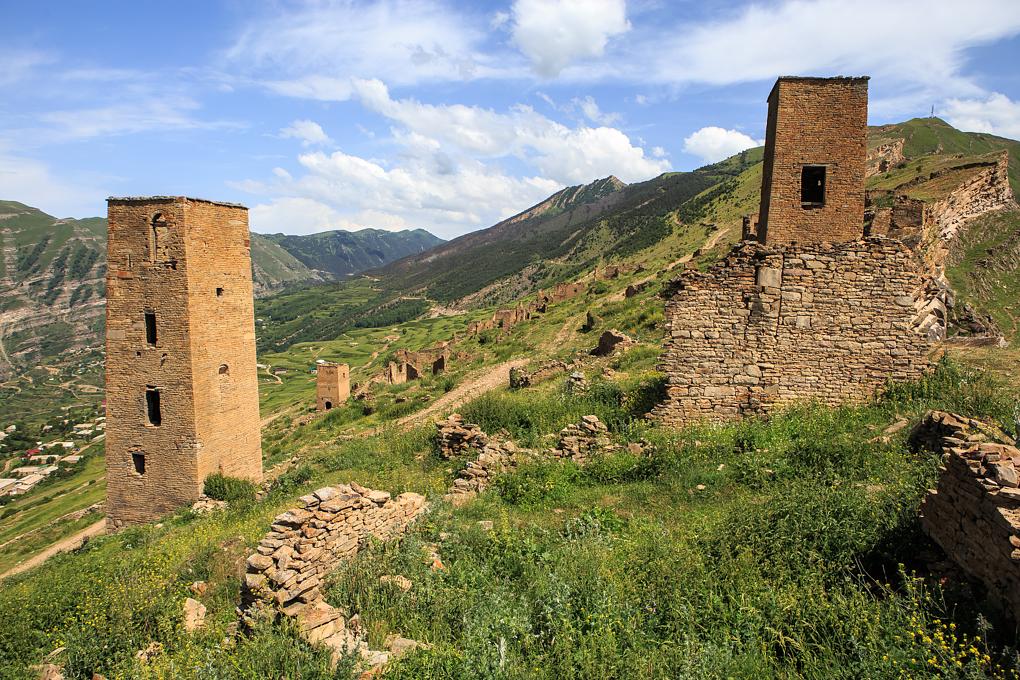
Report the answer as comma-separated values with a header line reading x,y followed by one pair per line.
x,y
341,253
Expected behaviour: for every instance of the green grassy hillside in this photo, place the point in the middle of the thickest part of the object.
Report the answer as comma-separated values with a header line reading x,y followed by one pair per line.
x,y
342,253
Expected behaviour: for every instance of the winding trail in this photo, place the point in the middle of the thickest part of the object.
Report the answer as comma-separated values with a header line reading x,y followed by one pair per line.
x,y
491,379
63,545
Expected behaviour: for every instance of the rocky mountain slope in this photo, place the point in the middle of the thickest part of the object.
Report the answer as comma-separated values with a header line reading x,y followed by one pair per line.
x,y
52,271
341,253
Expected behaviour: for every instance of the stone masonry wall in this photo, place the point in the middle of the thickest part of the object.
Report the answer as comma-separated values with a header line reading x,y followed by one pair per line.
x,y
974,515
187,262
814,121
769,326
286,572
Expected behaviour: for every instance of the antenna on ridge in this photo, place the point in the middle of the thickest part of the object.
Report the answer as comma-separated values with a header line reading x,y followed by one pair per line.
x,y
932,111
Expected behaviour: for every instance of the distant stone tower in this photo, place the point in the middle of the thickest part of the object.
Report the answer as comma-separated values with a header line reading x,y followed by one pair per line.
x,y
812,187
181,384
332,385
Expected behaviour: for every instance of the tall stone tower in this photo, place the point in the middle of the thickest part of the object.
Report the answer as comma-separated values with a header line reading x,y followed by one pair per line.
x,y
181,383
812,187
332,385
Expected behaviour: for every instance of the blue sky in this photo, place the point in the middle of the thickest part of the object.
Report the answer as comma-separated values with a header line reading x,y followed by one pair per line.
x,y
448,115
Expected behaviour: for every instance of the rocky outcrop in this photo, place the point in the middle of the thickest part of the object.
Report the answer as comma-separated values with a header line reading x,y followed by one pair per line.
x,y
974,514
883,157
454,437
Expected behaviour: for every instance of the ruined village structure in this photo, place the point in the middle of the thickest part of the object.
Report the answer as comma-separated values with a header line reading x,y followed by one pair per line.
x,y
806,307
332,385
181,384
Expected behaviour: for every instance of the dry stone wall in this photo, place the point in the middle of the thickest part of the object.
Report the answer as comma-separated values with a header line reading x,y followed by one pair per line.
x,y
771,325
974,514
331,525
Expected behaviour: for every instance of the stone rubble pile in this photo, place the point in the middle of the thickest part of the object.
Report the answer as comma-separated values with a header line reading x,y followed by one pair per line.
x,y
579,441
496,458
974,514
286,572
455,437
520,378
610,341
576,383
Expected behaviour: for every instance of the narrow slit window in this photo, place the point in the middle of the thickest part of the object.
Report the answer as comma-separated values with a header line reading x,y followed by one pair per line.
x,y
219,292
138,460
812,185
152,411
150,328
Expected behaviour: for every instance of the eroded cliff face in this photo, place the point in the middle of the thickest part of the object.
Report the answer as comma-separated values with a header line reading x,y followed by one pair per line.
x,y
884,156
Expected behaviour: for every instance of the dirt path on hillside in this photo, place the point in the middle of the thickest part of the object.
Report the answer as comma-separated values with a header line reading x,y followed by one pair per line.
x,y
70,543
493,378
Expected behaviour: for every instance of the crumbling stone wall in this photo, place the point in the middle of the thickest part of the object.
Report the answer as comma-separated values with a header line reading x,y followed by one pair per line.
x,y
814,122
180,331
769,326
332,385
286,572
974,514
580,441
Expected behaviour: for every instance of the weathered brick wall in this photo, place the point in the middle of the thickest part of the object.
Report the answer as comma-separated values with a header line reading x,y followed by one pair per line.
x,y
974,515
193,271
332,385
814,121
772,325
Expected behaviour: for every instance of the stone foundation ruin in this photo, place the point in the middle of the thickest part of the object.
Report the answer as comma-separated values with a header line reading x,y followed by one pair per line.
x,y
974,514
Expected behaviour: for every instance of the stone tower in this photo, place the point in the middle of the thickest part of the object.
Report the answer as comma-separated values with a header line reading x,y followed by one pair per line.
x,y
181,383
332,385
812,187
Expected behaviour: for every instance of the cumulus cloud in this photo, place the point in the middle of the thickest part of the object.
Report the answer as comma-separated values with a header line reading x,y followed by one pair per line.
x,y
713,143
340,190
996,114
308,131
567,155
554,33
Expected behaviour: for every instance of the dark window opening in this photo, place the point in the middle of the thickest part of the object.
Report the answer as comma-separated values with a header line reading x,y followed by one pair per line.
x,y
152,406
224,369
219,292
138,459
328,405
812,185
150,328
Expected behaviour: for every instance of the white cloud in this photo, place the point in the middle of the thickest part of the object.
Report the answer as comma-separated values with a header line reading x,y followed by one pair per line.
x,y
32,182
554,33
918,41
567,155
342,191
713,143
155,113
590,108
996,114
308,131
17,65
313,50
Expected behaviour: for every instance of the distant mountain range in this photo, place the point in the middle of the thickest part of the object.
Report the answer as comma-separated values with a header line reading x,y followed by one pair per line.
x,y
52,274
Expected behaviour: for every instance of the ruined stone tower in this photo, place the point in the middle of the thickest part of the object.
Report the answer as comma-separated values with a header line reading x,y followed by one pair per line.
x,y
181,384
812,186
332,385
